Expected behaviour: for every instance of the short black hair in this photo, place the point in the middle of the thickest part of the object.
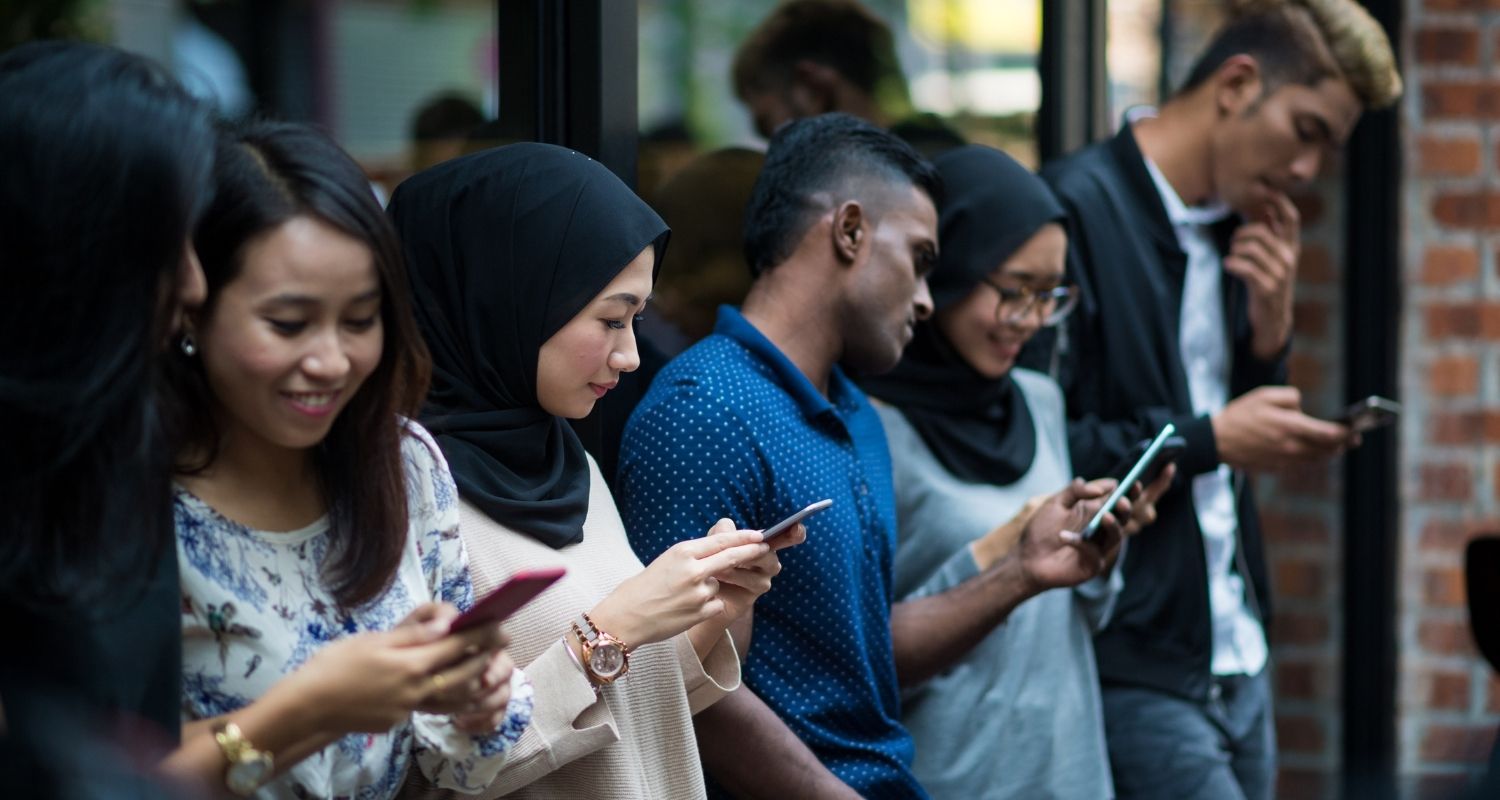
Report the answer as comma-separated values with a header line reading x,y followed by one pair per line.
x,y
821,154
446,116
841,34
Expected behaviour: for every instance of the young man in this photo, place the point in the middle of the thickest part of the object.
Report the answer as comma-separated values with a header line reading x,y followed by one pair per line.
x,y
816,56
759,420
1185,245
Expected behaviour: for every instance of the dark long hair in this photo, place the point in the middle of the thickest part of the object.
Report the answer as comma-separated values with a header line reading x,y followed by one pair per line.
x,y
265,174
104,163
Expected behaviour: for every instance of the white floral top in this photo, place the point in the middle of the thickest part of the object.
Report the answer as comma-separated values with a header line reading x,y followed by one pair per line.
x,y
254,609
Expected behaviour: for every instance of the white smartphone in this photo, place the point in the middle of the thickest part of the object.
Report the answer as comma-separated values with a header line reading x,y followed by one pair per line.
x,y
786,524
1129,480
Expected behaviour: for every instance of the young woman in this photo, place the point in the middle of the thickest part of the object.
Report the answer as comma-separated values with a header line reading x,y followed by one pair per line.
x,y
529,265
316,525
106,164
972,440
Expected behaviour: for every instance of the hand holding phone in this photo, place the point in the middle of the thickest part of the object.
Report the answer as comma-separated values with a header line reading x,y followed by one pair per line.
x,y
507,598
1140,467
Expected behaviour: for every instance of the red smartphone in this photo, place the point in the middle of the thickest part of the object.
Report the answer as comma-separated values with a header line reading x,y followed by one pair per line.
x,y
507,597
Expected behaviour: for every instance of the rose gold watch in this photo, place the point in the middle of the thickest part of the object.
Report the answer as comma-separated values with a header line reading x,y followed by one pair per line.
x,y
605,658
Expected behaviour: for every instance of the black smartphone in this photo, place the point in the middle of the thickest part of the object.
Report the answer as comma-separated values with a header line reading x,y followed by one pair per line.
x,y
1370,413
1170,451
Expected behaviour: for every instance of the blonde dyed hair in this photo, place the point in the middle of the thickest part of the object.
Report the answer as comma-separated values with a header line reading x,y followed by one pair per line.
x,y
1306,41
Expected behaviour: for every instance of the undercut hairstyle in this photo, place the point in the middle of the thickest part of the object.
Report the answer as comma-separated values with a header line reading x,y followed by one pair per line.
x,y
838,155
266,174
841,34
104,165
1304,42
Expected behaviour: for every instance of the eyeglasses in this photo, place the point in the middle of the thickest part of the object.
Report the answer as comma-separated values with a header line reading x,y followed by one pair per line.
x,y
1053,305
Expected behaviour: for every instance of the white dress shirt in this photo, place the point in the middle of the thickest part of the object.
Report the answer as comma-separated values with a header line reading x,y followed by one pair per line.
x,y
1239,641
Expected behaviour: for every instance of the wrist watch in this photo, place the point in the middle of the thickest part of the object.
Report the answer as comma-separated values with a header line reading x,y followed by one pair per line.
x,y
249,769
605,658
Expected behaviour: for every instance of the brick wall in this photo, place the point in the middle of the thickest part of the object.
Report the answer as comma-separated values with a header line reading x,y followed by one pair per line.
x,y
1450,379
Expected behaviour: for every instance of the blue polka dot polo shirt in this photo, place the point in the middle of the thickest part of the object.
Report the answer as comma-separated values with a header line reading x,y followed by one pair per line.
x,y
731,428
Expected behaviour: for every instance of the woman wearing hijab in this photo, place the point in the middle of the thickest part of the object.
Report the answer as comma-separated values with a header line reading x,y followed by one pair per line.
x,y
973,439
529,264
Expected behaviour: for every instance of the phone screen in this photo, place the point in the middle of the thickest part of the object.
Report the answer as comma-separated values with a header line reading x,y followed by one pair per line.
x,y
1129,480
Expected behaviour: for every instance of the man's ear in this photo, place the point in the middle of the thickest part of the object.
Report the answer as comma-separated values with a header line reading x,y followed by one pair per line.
x,y
848,231
815,88
1237,85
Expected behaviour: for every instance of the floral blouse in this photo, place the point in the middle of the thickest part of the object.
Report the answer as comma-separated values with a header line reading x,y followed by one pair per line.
x,y
254,609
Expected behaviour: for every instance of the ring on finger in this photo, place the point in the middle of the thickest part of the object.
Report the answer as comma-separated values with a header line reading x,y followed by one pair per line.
x,y
439,683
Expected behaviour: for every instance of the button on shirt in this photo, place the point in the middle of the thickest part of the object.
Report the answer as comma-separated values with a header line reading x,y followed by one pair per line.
x,y
732,428
1239,641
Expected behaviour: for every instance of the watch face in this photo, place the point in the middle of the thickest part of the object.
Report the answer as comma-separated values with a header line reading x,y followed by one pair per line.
x,y
247,776
607,660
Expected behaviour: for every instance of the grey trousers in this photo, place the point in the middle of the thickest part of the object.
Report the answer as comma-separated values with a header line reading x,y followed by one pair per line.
x,y
1224,748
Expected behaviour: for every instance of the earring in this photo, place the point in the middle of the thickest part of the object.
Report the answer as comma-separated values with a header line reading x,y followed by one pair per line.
x,y
188,345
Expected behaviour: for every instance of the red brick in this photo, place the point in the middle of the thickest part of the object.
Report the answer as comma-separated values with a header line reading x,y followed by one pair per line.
x,y
1300,628
1448,690
1463,427
1450,536
1442,785
1300,680
1472,320
1467,209
1441,637
1453,376
1306,371
1461,99
1445,482
1303,480
1298,577
1288,528
1464,744
1442,266
1301,784
1443,587
1310,318
1461,5
1447,46
1299,733
1310,204
1492,704
1316,267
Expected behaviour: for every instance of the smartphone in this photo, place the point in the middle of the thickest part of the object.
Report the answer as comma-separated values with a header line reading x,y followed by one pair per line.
x,y
1168,453
1130,478
786,524
508,597
1370,413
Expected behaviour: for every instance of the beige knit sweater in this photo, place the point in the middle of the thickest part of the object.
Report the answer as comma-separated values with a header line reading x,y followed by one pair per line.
x,y
636,739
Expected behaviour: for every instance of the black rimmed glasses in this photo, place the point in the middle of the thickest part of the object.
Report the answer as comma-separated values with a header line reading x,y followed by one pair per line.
x,y
1052,305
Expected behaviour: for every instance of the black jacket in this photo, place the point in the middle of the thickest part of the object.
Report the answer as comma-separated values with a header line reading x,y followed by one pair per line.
x,y
1119,365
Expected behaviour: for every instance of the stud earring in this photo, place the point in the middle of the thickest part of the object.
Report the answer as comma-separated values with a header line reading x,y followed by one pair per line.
x,y
188,345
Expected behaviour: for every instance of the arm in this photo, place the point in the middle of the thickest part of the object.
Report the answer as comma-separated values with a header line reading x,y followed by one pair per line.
x,y
931,633
753,754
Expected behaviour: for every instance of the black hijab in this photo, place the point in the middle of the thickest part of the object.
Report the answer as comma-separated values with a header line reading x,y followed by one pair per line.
x,y
978,427
504,247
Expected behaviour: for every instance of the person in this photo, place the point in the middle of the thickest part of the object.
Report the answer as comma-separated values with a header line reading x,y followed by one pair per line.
x,y
530,263
760,419
441,128
705,268
973,441
96,282
319,557
1185,245
811,57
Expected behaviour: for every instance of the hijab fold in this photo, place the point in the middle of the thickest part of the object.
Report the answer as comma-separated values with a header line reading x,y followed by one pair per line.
x,y
504,247
979,428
